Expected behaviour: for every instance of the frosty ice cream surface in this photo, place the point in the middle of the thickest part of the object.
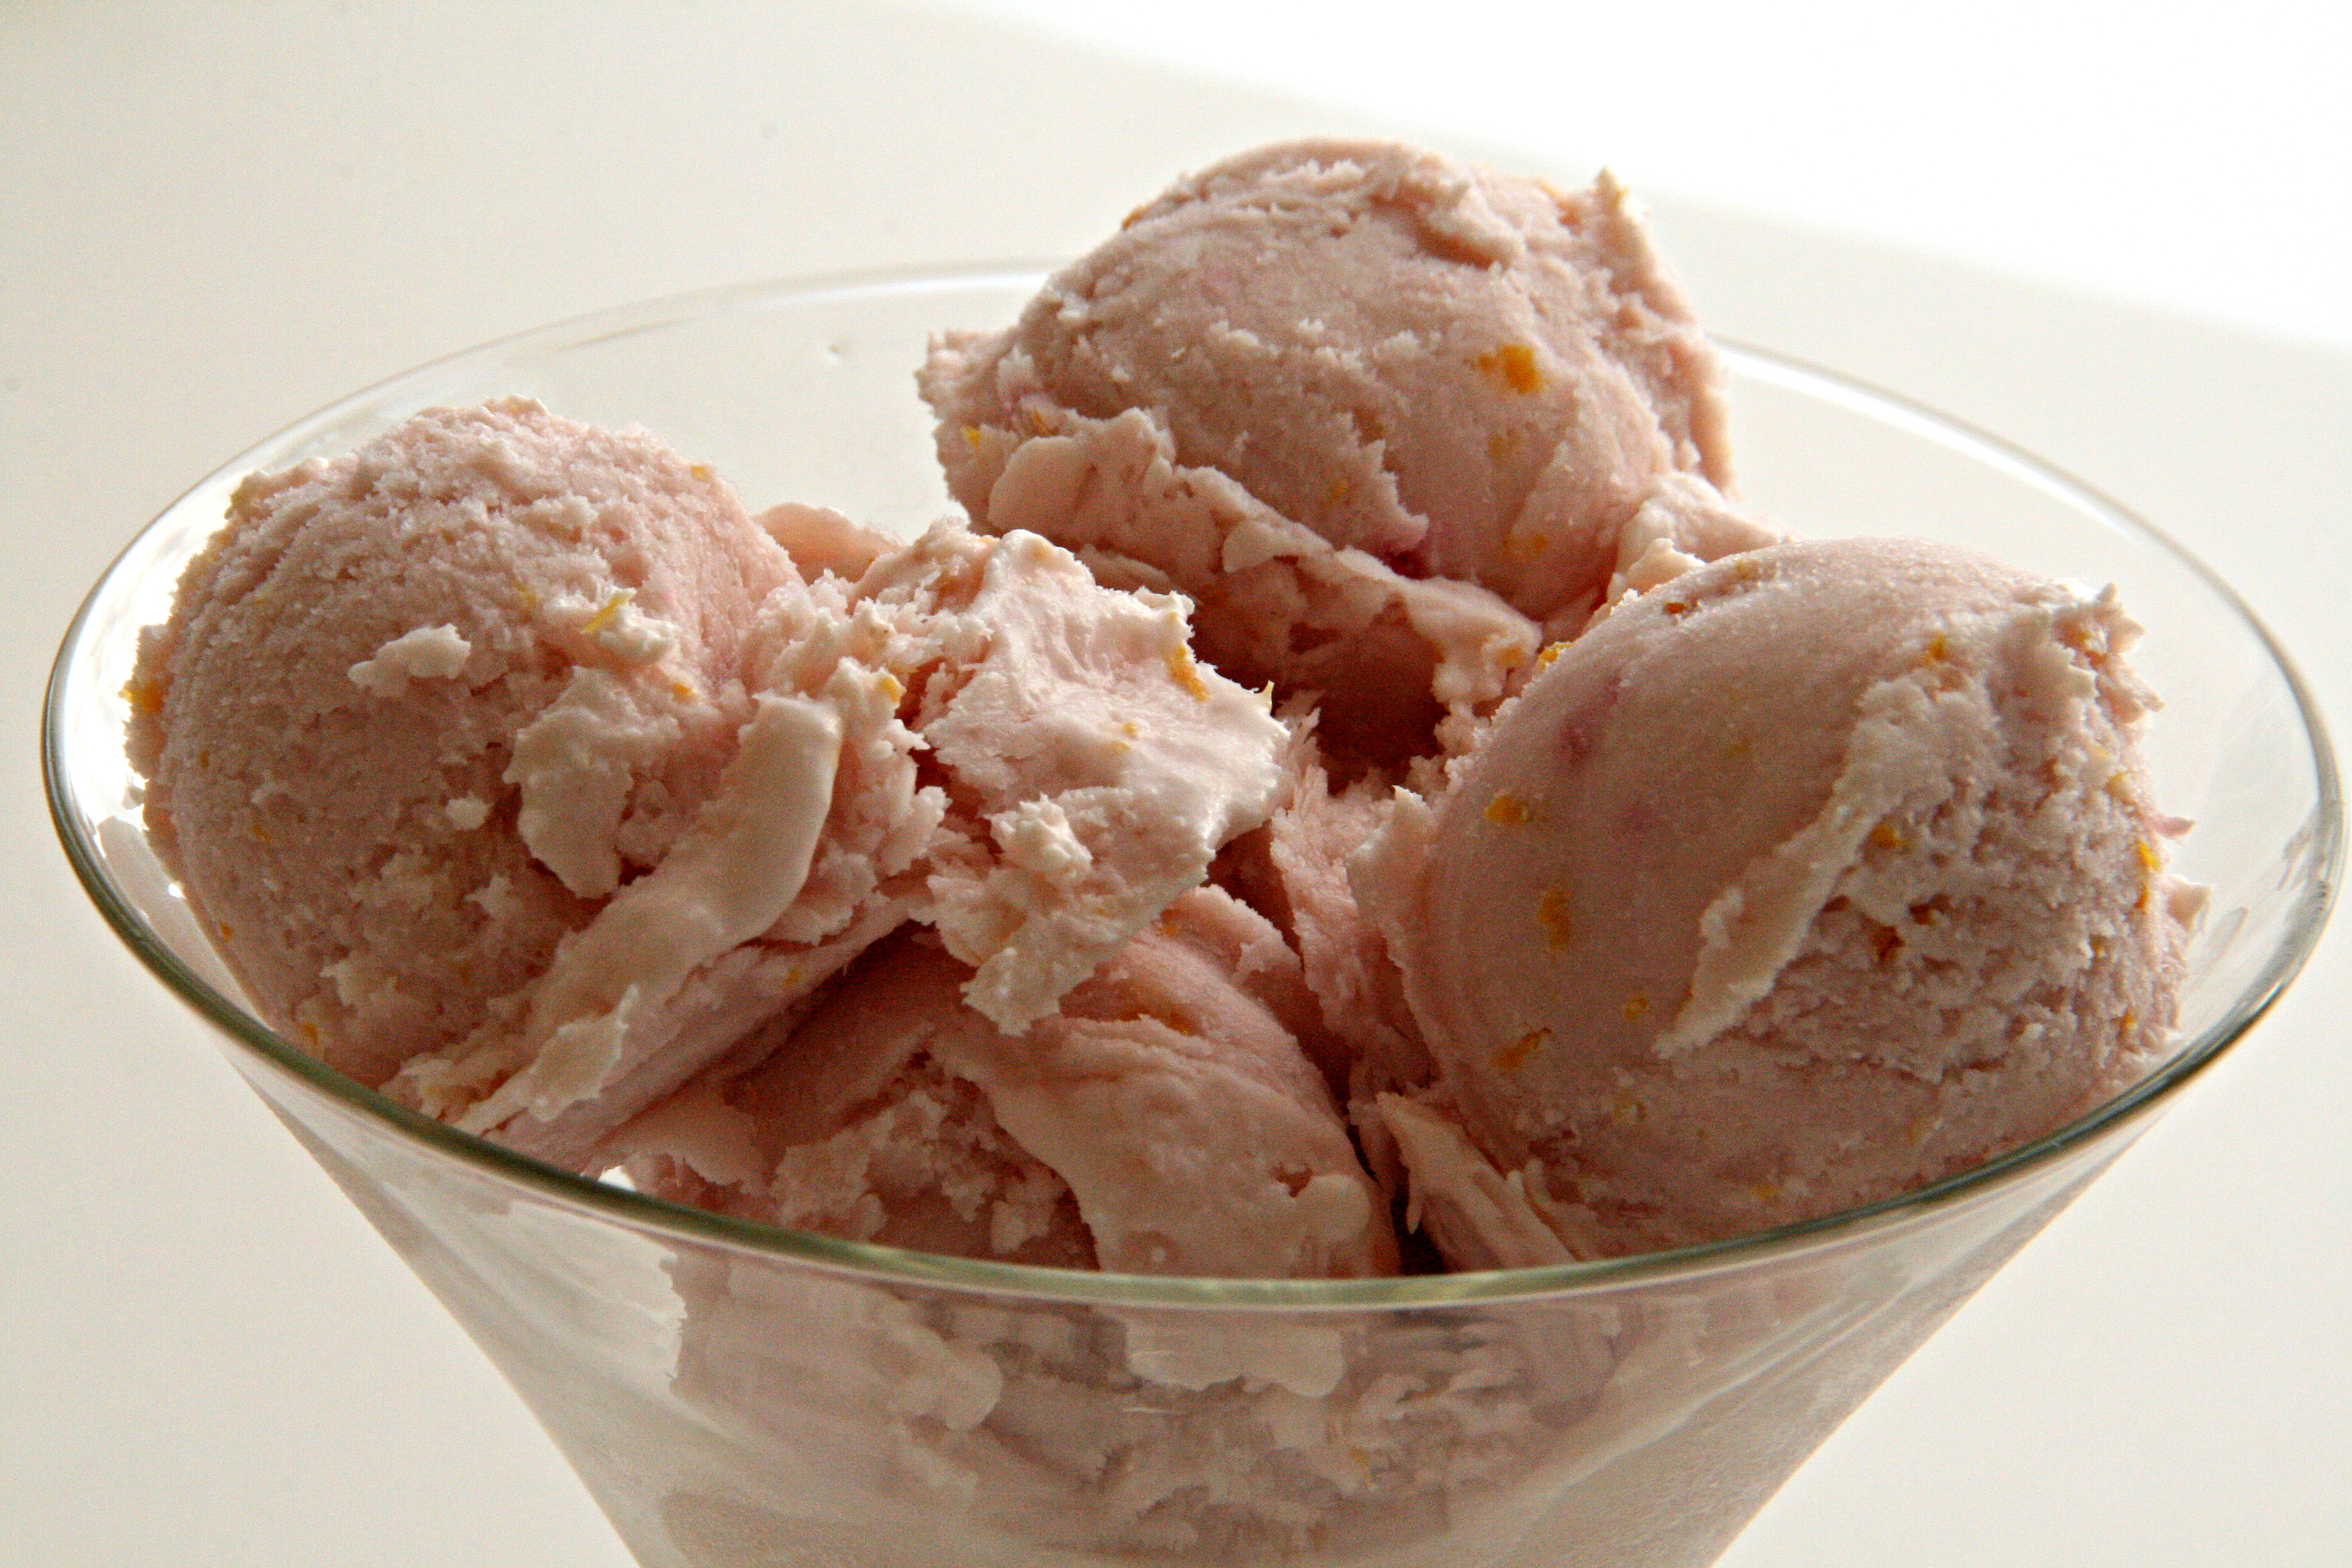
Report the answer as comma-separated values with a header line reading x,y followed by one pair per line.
x,y
1355,785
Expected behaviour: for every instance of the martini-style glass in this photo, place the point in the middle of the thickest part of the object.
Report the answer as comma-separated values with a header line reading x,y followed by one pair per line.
x,y
735,1395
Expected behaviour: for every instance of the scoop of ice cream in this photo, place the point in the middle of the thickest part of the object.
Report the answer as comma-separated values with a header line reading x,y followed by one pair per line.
x,y
1166,1119
1321,373
420,710
1803,879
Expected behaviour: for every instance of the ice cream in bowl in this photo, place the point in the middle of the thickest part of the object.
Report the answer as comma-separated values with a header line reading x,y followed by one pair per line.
x,y
1319,889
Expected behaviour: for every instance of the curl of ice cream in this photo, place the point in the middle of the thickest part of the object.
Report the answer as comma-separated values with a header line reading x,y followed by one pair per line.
x,y
1803,879
1347,392
1166,1119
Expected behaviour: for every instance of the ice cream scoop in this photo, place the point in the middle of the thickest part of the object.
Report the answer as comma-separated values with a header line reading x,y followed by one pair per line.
x,y
1347,393
1803,879
420,709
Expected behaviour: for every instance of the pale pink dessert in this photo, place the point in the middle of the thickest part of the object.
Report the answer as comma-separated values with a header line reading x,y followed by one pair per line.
x,y
1167,1120
1804,878
518,772
355,727
1384,416
858,885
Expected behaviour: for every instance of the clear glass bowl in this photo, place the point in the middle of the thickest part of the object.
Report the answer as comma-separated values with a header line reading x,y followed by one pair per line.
x,y
735,1394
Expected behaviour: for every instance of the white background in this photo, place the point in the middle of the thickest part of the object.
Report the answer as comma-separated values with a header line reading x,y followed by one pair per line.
x,y
2117,238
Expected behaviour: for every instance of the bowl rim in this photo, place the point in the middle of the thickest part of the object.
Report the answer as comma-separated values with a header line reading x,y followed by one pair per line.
x,y
265,1048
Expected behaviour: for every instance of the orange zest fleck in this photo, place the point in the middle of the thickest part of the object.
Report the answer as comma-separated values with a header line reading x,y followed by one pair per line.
x,y
612,607
1551,913
1507,809
1513,366
1514,1056
1186,674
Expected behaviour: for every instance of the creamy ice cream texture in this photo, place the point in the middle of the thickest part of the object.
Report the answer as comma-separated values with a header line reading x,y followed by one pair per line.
x,y
1803,880
1165,1121
515,767
1383,415
1618,875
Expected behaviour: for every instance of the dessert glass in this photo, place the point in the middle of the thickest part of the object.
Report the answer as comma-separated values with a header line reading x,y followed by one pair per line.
x,y
735,1394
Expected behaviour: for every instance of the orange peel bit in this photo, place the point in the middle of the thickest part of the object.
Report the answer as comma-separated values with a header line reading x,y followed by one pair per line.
x,y
1636,1009
1186,674
1507,809
612,607
1514,1056
1513,365
1551,912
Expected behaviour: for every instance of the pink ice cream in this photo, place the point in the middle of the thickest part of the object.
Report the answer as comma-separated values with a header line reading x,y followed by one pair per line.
x,y
1804,878
963,894
356,726
1383,415
521,773
1166,1120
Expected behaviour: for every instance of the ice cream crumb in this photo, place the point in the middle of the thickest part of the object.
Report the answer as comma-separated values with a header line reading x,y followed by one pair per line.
x,y
425,653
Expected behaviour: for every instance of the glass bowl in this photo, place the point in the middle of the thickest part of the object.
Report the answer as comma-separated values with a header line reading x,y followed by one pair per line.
x,y
735,1394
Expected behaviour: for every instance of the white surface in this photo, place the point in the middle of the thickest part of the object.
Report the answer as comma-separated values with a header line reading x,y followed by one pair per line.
x,y
2186,155
212,219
